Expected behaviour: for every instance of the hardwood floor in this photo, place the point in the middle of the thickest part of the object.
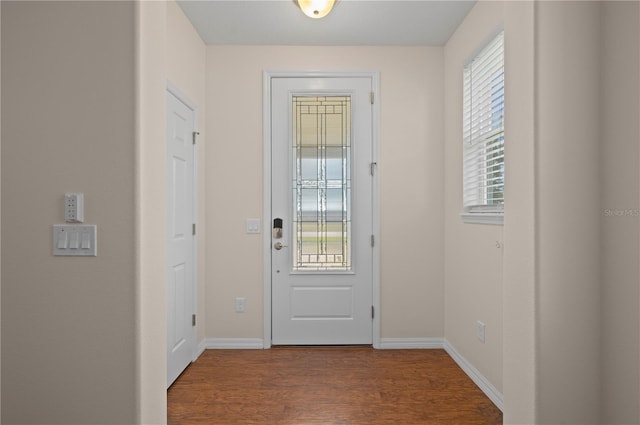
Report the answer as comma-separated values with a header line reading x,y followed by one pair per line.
x,y
328,386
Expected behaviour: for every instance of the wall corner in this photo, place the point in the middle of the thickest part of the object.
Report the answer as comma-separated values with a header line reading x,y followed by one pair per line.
x,y
150,207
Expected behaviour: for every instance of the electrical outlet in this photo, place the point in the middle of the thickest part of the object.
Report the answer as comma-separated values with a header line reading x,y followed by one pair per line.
x,y
240,304
74,207
481,330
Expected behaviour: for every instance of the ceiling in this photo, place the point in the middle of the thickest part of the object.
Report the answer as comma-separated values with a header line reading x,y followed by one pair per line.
x,y
350,23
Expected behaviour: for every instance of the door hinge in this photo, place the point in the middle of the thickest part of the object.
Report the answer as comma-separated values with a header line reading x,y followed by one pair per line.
x,y
372,168
372,241
193,320
373,97
373,311
193,229
195,135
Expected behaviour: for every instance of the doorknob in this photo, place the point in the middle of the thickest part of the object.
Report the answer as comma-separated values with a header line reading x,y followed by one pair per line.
x,y
278,246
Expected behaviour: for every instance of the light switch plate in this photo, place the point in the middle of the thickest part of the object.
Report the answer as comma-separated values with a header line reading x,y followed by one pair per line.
x,y
253,225
75,240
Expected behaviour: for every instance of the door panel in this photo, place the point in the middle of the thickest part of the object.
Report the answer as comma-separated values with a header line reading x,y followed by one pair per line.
x,y
321,302
180,255
322,191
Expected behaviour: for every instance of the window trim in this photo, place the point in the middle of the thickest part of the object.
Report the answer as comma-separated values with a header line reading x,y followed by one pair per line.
x,y
481,215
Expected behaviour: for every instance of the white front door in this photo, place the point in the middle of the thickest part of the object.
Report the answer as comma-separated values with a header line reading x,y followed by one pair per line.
x,y
321,197
180,239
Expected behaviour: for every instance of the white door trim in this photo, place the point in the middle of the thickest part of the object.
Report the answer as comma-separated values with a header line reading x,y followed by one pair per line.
x,y
173,89
266,99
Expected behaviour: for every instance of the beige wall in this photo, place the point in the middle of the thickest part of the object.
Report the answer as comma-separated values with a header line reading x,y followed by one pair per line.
x,y
74,94
151,367
168,49
0,210
519,292
620,192
69,339
411,170
186,55
473,252
83,339
568,186
570,312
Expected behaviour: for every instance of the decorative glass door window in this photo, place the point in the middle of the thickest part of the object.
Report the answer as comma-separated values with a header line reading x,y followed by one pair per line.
x,y
321,183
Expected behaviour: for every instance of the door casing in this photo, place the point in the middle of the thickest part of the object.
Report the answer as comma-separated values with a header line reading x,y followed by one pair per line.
x,y
267,77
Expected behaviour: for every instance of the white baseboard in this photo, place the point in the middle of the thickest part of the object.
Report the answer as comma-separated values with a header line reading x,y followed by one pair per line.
x,y
408,343
483,383
230,344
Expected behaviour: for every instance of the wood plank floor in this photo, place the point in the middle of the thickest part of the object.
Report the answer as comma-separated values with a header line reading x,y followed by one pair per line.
x,y
328,386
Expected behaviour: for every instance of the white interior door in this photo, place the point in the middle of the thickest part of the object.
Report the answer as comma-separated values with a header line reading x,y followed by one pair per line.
x,y
322,147
180,238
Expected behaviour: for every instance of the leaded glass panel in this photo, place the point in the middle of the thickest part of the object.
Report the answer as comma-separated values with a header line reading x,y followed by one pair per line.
x,y
321,183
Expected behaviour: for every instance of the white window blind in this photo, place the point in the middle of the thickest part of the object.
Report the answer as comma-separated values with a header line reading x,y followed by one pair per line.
x,y
483,132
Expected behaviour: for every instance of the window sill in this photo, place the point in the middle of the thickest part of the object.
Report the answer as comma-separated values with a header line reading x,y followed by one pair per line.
x,y
493,218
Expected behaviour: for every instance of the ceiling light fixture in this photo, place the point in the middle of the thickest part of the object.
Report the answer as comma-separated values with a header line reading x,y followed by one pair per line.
x,y
316,8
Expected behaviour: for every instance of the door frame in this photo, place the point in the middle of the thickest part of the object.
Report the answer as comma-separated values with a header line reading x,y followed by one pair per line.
x,y
266,108
182,97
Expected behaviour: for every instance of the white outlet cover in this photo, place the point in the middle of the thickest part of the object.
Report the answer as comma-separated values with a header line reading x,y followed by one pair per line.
x,y
74,207
482,328
240,305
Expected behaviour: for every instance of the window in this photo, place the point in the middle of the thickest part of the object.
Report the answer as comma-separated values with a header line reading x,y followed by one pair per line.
x,y
483,135
322,183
